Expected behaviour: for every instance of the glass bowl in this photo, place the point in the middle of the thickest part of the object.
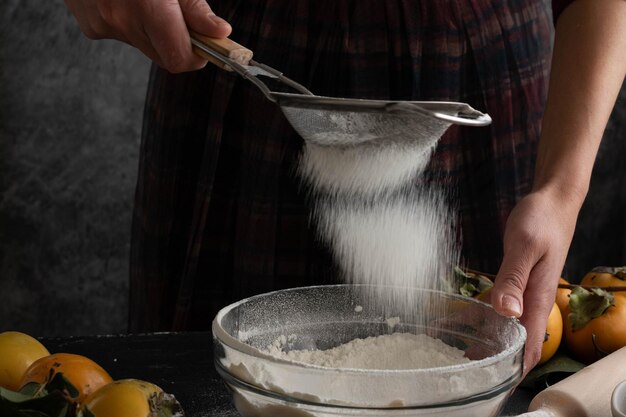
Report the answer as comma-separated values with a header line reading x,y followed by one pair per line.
x,y
323,317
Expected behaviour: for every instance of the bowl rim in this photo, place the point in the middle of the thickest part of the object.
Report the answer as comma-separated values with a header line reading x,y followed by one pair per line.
x,y
220,334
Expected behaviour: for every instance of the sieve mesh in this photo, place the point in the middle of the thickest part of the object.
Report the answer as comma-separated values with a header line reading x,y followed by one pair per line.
x,y
337,127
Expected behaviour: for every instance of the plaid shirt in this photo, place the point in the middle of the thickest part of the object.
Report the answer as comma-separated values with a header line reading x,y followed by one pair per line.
x,y
219,214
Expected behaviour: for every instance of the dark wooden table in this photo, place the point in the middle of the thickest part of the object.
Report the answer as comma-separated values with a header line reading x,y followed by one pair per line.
x,y
181,364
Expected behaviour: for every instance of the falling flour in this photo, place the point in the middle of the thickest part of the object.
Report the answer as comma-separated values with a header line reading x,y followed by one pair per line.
x,y
384,226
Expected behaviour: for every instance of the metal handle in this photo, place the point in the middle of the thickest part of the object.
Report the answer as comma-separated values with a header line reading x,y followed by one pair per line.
x,y
471,119
230,56
457,113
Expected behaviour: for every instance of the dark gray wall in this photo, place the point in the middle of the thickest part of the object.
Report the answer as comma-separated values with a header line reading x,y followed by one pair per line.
x,y
600,237
70,118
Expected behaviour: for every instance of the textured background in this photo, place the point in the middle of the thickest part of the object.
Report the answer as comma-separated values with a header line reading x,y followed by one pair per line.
x,y
70,120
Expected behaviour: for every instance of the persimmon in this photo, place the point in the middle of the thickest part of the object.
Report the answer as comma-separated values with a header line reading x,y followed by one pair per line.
x,y
17,352
83,373
595,324
484,296
562,296
554,333
132,398
605,276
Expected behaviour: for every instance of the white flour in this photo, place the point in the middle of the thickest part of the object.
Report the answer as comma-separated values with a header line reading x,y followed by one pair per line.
x,y
394,351
382,225
400,370
364,170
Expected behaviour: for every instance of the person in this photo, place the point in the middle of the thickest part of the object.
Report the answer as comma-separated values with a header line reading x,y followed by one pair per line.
x,y
219,214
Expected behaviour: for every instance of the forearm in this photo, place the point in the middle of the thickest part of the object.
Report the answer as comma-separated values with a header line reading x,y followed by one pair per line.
x,y
588,69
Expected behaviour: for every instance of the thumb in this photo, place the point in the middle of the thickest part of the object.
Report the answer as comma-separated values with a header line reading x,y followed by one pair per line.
x,y
507,294
200,18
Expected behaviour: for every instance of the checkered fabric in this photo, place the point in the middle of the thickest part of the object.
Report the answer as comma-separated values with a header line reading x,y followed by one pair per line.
x,y
219,214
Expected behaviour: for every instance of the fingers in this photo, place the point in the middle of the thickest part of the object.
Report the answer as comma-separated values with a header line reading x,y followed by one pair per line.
x,y
200,18
159,28
525,285
140,40
533,291
167,32
538,301
520,285
80,11
507,294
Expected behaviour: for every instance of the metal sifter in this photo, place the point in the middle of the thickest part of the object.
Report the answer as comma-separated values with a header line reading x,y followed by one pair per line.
x,y
343,122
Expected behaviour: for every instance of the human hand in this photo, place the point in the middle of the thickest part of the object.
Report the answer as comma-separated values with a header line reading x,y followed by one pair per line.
x,y
156,27
536,241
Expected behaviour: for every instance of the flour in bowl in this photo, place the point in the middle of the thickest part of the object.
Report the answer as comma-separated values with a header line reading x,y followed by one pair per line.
x,y
394,351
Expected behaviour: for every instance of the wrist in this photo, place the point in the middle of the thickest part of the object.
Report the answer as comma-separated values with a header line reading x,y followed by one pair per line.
x,y
565,192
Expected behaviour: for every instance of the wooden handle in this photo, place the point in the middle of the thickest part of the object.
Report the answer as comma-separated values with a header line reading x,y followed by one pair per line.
x,y
226,47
